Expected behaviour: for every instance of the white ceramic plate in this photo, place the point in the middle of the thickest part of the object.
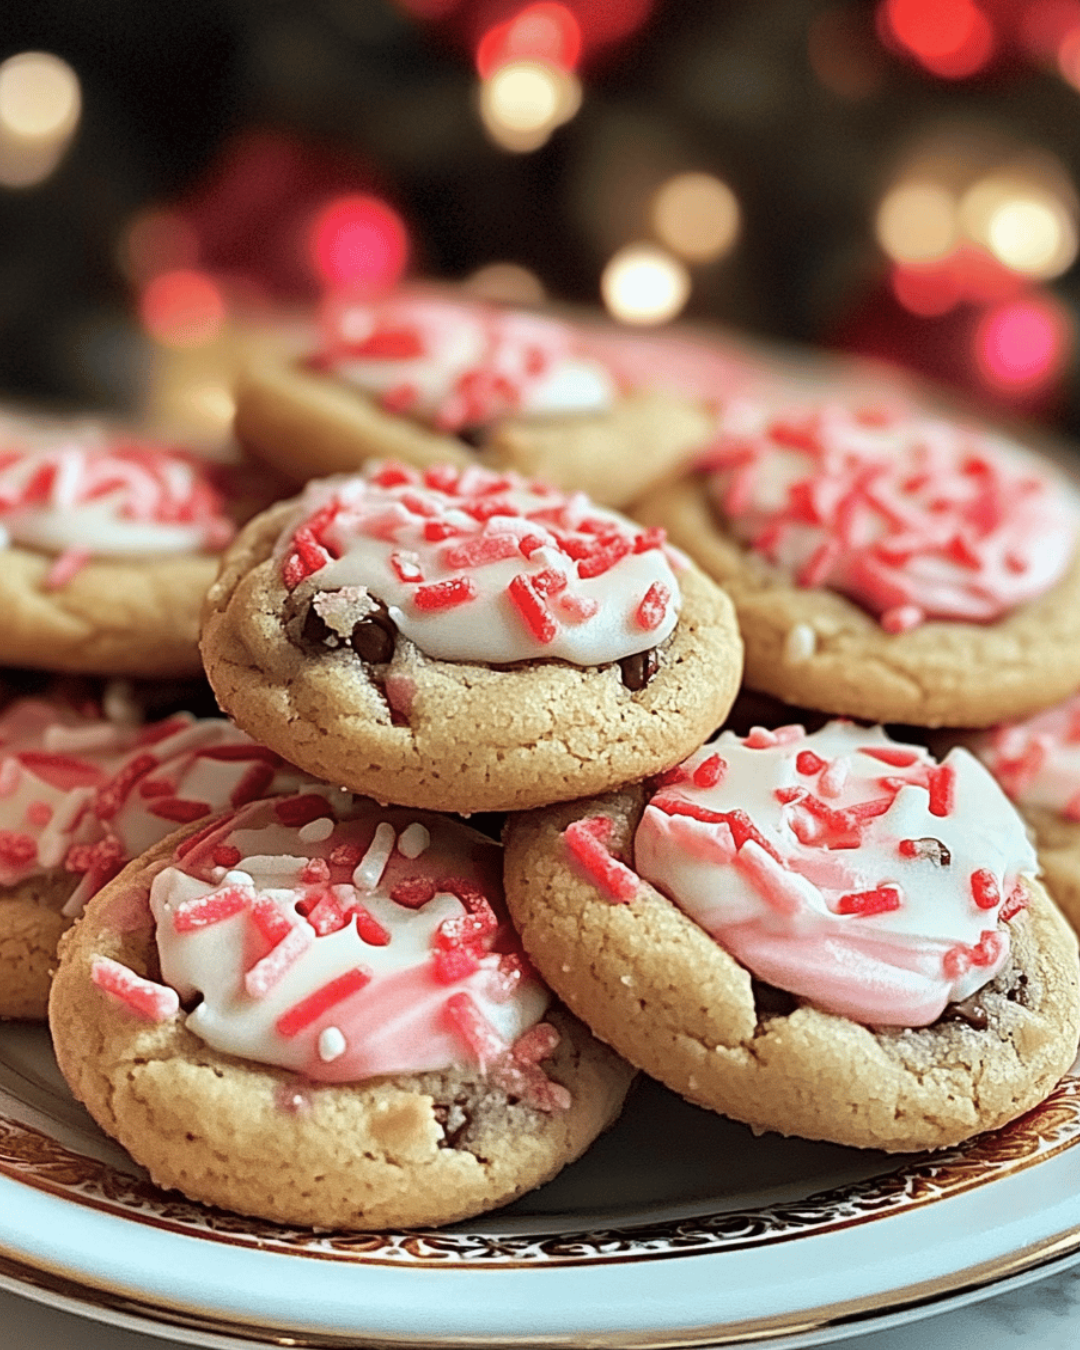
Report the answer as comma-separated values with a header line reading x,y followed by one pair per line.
x,y
677,1229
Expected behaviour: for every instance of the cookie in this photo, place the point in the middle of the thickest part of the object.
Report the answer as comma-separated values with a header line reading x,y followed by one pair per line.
x,y
830,936
315,1013
895,568
466,641
82,794
1037,762
429,379
110,542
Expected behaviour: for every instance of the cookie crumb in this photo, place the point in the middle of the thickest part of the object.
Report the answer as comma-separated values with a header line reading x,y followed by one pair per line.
x,y
800,643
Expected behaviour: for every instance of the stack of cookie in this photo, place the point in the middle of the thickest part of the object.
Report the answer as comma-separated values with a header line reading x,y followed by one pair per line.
x,y
830,934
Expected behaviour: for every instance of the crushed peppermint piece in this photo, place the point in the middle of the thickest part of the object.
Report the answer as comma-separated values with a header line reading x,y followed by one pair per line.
x,y
146,998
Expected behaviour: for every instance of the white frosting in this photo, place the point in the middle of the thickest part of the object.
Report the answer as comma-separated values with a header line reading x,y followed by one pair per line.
x,y
592,620
461,365
910,515
783,917
251,985
82,487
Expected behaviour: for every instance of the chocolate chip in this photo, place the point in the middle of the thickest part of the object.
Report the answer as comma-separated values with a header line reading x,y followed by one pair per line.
x,y
933,849
317,633
374,636
473,437
969,1010
638,670
770,1001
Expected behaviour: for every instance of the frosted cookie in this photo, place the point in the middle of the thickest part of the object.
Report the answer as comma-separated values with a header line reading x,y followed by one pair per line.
x,y
468,641
1037,762
109,542
891,567
81,795
315,1012
423,378
830,935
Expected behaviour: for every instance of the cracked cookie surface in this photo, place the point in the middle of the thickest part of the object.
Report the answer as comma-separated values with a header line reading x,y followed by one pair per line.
x,y
815,648
655,986
399,1150
458,736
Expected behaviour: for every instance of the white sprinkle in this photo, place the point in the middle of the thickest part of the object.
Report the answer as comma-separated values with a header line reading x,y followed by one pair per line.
x,y
77,740
118,703
239,878
413,840
800,643
315,831
626,979
332,1044
834,776
369,870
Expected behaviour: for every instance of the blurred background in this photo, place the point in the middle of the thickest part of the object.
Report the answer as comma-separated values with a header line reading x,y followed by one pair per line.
x,y
892,178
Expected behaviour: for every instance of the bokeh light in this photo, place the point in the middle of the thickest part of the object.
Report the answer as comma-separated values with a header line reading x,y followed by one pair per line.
x,y
917,222
359,242
950,38
506,282
522,103
643,284
545,32
696,216
157,241
1025,224
184,308
40,107
929,290
1024,344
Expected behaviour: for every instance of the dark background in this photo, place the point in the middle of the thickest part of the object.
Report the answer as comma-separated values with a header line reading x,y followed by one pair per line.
x,y
241,117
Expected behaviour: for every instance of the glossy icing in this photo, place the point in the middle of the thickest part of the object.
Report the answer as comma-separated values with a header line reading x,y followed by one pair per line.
x,y
843,867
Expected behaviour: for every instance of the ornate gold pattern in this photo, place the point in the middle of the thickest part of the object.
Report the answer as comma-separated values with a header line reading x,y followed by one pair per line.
x,y
33,1158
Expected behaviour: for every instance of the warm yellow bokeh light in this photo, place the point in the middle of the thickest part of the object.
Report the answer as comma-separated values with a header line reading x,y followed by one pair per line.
x,y
506,282
40,105
697,216
917,222
523,102
643,284
1033,235
40,97
1025,225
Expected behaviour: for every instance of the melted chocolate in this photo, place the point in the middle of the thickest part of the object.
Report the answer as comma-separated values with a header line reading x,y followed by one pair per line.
x,y
316,633
638,670
933,849
969,1010
374,636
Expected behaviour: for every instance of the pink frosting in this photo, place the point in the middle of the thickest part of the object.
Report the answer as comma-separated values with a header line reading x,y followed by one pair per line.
x,y
1037,761
911,516
475,565
343,940
843,867
86,794
460,364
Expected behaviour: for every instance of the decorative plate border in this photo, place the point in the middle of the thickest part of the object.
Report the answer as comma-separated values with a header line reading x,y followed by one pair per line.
x,y
31,1157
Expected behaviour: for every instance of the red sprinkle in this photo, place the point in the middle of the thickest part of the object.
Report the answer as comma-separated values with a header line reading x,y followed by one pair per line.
x,y
152,1001
1018,899
898,758
942,790
269,920
369,928
809,763
310,1009
226,855
880,900
650,613
178,809
710,772
444,594
532,607
585,840
296,812
984,889
412,892
481,549
207,910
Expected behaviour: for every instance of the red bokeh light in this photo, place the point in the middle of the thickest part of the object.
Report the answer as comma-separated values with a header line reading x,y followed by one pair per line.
x,y
543,32
927,290
359,242
183,308
1023,345
1045,25
950,38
